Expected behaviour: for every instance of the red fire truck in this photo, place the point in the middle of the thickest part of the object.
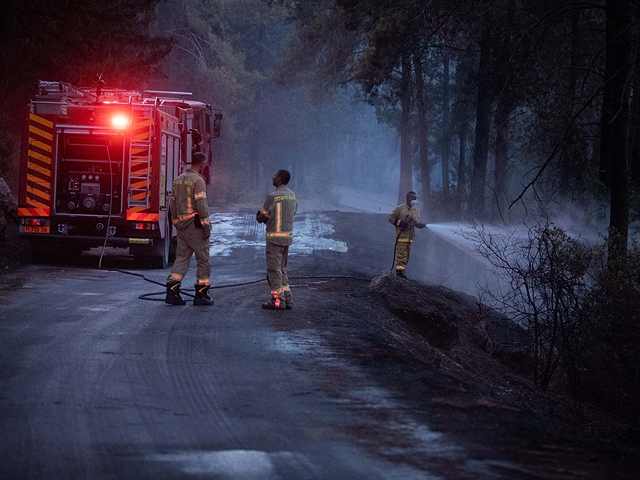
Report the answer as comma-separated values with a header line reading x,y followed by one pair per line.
x,y
97,167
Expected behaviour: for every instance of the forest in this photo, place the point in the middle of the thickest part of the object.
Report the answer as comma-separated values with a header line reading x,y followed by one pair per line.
x,y
489,109
494,111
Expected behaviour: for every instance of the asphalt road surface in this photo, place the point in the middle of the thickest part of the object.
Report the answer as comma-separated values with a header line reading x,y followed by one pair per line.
x,y
96,383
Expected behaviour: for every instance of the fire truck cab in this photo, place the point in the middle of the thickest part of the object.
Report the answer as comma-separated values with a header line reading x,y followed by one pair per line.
x,y
97,166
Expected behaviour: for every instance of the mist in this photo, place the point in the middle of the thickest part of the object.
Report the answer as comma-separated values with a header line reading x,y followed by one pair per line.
x,y
293,99
520,120
330,148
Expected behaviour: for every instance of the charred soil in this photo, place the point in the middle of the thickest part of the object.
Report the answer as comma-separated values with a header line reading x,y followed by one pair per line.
x,y
469,385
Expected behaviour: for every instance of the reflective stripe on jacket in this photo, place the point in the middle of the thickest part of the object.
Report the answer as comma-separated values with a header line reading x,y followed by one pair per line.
x,y
188,199
278,213
398,215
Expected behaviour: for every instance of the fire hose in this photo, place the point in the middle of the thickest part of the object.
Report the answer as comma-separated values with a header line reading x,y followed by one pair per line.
x,y
146,296
106,233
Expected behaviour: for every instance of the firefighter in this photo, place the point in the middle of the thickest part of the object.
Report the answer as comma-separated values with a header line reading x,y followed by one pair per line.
x,y
190,215
405,217
278,213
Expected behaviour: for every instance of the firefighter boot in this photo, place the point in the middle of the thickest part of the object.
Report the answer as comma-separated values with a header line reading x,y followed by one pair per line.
x,y
173,294
202,296
276,303
400,273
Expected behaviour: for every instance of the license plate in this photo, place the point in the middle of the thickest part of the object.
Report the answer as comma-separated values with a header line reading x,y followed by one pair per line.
x,y
33,229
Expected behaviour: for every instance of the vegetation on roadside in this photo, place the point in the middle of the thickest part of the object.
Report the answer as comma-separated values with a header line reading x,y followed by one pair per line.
x,y
581,313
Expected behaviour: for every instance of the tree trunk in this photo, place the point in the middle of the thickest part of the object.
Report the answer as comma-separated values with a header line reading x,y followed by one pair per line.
x,y
616,76
446,135
634,146
634,126
566,165
406,180
423,130
500,183
255,154
483,114
505,105
610,101
462,168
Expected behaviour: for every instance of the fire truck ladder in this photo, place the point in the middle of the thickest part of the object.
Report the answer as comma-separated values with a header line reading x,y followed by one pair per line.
x,y
140,162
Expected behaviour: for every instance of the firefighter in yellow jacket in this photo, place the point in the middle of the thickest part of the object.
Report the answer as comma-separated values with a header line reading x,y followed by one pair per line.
x,y
278,213
190,216
405,217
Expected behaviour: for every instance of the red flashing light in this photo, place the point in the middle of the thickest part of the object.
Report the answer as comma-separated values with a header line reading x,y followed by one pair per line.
x,y
119,121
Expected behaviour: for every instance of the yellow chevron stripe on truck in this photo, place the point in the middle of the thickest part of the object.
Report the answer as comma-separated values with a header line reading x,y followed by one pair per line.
x,y
39,166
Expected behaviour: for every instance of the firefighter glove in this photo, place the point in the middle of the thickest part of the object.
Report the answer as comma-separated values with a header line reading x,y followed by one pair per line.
x,y
407,223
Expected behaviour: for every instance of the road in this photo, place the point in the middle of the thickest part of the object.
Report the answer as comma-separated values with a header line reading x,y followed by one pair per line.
x,y
96,383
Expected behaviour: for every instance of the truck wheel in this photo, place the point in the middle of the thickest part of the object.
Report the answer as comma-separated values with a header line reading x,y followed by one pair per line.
x,y
161,261
44,252
72,255
141,261
40,256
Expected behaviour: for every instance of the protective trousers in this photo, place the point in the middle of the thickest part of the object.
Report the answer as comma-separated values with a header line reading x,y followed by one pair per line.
x,y
277,256
403,250
191,240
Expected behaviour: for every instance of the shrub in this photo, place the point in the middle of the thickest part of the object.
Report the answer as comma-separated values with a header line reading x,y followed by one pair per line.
x,y
542,284
608,367
582,314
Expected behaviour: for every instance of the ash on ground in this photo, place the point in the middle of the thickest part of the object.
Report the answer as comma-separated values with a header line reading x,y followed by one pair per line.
x,y
482,347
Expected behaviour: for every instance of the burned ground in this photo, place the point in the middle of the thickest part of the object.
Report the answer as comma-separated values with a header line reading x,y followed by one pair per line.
x,y
397,354
465,389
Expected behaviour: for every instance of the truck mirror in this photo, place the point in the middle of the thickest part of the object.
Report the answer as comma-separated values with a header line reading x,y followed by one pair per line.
x,y
217,125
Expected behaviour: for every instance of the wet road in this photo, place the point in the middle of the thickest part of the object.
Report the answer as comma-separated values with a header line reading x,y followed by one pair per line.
x,y
95,383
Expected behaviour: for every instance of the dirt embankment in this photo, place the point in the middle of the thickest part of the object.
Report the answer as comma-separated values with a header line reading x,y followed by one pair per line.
x,y
468,388
481,346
